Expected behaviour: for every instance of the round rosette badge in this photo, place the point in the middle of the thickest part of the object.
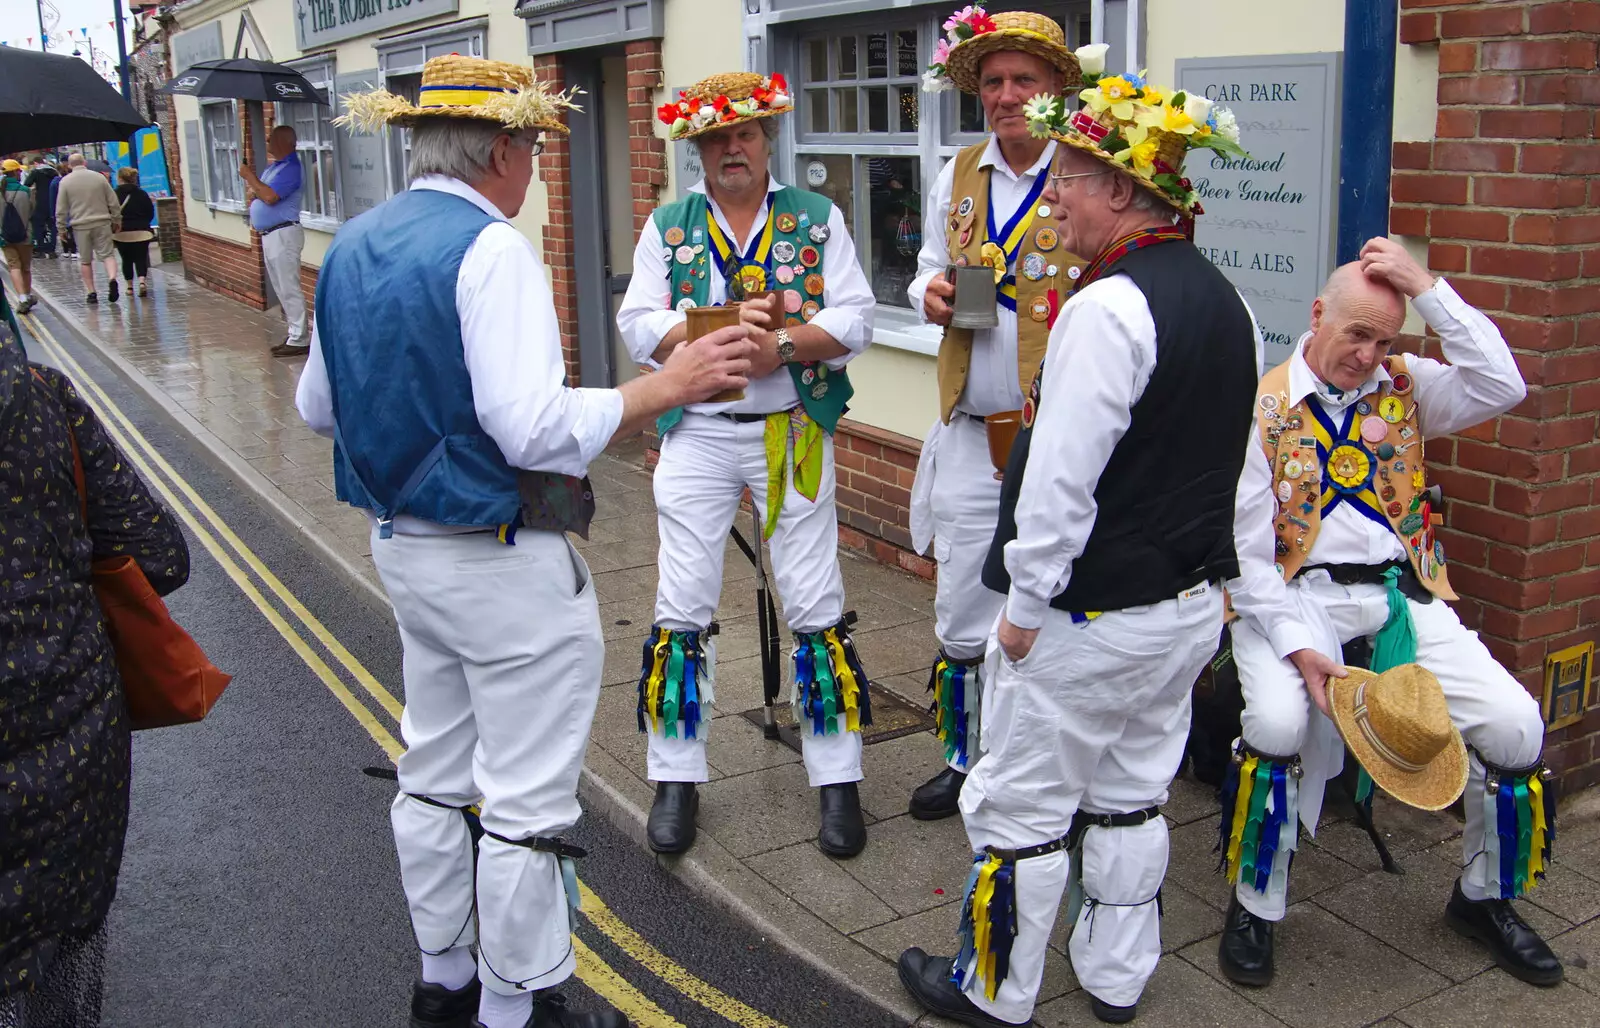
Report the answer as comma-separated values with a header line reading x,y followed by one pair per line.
x,y
1349,468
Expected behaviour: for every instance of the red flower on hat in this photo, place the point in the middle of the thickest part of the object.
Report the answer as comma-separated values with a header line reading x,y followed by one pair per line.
x,y
1196,211
668,113
982,23
779,83
693,104
720,104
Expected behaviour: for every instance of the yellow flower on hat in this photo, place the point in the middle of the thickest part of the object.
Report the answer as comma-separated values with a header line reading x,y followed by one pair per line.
x,y
1115,94
1141,155
1167,119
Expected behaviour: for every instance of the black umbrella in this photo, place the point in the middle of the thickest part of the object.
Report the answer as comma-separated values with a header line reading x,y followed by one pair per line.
x,y
240,78
52,100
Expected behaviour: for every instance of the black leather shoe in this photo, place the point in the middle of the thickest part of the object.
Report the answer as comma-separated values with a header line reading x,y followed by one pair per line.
x,y
843,833
550,1011
936,798
671,826
1515,947
1110,1014
1245,951
927,978
434,1006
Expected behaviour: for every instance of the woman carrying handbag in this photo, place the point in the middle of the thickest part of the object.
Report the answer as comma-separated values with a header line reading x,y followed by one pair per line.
x,y
64,721
133,239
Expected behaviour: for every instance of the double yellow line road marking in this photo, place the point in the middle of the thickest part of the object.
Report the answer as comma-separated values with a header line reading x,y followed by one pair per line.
x,y
239,562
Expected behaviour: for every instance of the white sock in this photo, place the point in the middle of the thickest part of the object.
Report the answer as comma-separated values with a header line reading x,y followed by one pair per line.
x,y
453,968
497,1011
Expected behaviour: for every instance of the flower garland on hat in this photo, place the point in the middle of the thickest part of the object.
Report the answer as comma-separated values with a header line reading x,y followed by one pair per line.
x,y
691,115
958,28
1134,126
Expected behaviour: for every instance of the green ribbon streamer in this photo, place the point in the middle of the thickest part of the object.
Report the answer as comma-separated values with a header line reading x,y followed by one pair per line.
x,y
1363,785
947,701
672,689
1250,842
1396,641
1524,833
829,689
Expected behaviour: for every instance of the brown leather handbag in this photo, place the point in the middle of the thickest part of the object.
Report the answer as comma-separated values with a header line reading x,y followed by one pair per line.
x,y
166,676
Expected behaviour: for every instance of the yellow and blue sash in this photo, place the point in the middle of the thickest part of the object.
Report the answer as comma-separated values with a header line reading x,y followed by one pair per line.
x,y
729,260
1334,447
1010,239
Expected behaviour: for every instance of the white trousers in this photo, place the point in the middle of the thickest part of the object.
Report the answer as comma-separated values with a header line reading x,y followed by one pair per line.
x,y
1494,713
502,663
1095,716
957,498
706,464
280,252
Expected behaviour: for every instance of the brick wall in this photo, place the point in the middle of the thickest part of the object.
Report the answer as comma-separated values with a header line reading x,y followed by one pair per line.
x,y
555,171
648,175
875,470
169,228
1509,201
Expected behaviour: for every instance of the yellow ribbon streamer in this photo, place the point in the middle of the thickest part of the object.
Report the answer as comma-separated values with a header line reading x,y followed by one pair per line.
x,y
658,677
1241,814
1536,851
982,893
848,687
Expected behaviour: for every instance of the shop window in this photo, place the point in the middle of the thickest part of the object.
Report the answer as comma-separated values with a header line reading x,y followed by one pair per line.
x,y
314,142
400,61
862,83
410,88
219,121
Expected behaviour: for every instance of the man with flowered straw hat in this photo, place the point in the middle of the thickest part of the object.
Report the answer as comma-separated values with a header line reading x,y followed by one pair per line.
x,y
1337,548
984,210
1115,536
436,365
785,256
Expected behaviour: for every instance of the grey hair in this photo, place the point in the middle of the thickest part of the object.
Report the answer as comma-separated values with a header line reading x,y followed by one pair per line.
x,y
458,148
769,128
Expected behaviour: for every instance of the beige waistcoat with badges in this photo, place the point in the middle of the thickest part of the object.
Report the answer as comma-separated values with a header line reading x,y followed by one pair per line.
x,y
965,234
1376,463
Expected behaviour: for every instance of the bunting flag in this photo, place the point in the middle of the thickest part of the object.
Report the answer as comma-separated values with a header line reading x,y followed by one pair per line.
x,y
675,683
988,925
830,686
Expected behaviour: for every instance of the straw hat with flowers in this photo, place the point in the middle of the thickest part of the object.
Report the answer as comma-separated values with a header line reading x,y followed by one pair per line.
x,y
1139,128
723,100
1399,728
971,34
454,86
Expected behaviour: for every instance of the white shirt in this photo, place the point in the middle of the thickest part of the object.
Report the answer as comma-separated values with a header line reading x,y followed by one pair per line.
x,y
1480,382
992,375
648,310
1101,355
512,347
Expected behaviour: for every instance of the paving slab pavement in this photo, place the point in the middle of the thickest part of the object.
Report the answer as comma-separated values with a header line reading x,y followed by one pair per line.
x,y
1360,947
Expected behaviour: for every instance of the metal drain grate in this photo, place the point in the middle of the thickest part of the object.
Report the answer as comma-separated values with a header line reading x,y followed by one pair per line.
x,y
892,718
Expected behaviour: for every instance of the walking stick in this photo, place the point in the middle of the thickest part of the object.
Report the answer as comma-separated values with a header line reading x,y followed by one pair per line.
x,y
767,619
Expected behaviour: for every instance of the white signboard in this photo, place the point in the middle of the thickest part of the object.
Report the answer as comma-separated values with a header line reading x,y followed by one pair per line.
x,y
196,45
1270,221
318,22
361,170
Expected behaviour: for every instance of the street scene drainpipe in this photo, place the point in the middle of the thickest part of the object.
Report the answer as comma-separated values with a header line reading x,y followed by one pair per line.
x,y
1366,123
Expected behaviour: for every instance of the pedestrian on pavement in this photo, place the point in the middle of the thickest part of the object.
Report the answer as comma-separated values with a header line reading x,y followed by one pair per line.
x,y
785,257
1114,539
133,240
992,186
436,365
1360,562
16,217
275,216
64,758
86,204
69,245
40,178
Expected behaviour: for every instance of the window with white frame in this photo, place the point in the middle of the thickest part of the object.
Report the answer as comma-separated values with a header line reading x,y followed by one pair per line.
x,y
314,142
219,122
869,139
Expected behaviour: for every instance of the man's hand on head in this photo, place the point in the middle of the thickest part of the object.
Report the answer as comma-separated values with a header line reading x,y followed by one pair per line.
x,y
1384,260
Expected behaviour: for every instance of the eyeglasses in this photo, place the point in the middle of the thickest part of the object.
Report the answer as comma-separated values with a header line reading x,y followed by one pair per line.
x,y
1077,174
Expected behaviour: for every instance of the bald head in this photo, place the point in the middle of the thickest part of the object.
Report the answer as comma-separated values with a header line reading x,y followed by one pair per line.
x,y
281,142
75,160
1353,324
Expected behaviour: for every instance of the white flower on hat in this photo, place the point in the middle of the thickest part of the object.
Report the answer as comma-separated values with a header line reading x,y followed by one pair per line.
x,y
934,82
1197,107
1092,58
1227,126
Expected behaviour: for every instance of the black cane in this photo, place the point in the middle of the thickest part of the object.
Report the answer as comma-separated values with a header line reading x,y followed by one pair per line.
x,y
767,620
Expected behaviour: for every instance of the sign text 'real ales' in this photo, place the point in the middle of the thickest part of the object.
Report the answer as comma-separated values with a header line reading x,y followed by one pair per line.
x,y
326,21
1270,217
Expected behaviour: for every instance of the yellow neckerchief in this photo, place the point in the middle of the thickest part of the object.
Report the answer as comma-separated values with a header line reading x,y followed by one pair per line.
x,y
1011,243
725,249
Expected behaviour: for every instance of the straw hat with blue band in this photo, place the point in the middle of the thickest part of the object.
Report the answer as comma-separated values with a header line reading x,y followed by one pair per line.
x,y
454,86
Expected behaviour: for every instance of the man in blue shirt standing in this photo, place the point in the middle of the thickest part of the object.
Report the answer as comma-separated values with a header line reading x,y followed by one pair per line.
x,y
275,214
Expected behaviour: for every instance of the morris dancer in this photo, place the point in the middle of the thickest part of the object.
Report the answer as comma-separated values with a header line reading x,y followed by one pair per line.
x,y
1115,535
736,235
984,209
436,365
1336,543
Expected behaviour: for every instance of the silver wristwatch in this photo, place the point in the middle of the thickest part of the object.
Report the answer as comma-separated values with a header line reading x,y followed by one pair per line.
x,y
785,346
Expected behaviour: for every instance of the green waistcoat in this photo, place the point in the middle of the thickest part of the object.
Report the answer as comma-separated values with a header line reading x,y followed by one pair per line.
x,y
823,391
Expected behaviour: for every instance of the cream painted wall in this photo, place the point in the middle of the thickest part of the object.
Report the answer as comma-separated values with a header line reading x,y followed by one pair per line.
x,y
702,37
1228,28
895,390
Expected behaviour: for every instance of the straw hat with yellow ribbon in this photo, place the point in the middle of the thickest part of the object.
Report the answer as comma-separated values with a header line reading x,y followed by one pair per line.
x,y
1141,129
971,34
1399,728
722,100
454,86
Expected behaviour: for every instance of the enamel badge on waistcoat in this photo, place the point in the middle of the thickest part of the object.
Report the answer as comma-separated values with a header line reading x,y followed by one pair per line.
x,y
1029,263
1369,460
